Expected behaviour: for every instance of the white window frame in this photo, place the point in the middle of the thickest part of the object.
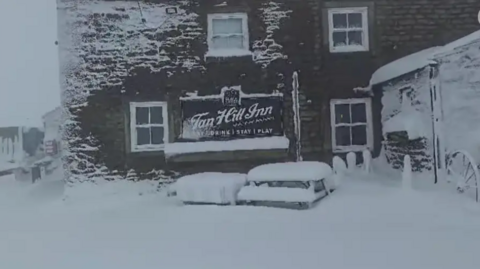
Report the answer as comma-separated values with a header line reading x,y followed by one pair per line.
x,y
365,41
133,125
369,124
226,16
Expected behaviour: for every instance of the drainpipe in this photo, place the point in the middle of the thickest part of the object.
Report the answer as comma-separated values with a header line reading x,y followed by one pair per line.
x,y
439,161
296,117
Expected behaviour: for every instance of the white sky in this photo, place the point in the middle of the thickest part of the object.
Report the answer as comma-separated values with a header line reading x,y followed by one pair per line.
x,y
29,84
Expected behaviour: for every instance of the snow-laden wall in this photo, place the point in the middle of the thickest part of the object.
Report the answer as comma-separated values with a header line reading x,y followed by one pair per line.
x,y
417,90
460,92
100,42
406,107
110,50
266,49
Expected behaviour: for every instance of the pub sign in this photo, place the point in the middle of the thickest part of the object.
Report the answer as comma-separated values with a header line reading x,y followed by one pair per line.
x,y
231,114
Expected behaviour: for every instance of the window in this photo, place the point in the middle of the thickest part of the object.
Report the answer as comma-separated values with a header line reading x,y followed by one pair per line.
x,y
148,126
228,32
348,29
351,121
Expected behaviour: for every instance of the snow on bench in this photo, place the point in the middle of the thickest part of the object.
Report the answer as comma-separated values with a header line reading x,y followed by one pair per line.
x,y
292,182
290,171
209,188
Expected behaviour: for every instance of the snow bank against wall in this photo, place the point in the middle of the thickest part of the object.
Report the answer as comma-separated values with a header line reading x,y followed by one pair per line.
x,y
460,90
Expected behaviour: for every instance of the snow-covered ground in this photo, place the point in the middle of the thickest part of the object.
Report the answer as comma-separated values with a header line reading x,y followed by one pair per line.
x,y
369,222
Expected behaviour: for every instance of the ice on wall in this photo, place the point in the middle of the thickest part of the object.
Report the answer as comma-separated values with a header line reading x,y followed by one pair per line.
x,y
460,92
109,39
417,91
100,42
406,107
267,49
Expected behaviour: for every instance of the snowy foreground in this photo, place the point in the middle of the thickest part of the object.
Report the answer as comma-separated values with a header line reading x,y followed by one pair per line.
x,y
366,223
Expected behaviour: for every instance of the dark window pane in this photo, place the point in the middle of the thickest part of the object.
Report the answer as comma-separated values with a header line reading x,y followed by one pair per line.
x,y
359,113
339,20
342,113
143,136
339,39
156,115
355,38
141,115
342,136
354,20
359,135
157,135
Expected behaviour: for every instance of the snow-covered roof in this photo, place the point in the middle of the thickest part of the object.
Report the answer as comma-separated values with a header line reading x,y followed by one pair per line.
x,y
464,41
419,59
403,66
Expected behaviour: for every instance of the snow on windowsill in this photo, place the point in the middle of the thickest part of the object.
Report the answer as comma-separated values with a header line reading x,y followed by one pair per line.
x,y
223,53
350,48
353,148
290,171
149,148
263,143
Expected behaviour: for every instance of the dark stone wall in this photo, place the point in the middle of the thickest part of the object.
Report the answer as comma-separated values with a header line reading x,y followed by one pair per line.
x,y
125,70
398,145
397,28
115,58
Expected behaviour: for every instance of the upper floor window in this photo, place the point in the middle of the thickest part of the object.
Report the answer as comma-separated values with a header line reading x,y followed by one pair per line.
x,y
348,29
227,34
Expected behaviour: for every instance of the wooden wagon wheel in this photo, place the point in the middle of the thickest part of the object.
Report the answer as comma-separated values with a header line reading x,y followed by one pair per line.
x,y
463,170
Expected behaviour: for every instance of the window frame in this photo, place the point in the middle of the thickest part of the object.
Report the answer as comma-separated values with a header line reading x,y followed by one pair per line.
x,y
225,16
133,125
369,124
365,28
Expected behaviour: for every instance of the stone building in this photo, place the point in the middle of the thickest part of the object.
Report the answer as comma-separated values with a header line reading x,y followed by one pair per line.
x,y
128,65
